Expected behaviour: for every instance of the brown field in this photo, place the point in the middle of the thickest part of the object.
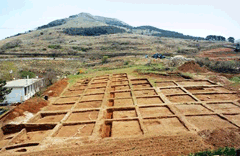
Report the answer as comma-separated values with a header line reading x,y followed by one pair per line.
x,y
131,118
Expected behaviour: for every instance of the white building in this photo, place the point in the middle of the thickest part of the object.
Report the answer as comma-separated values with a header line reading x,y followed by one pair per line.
x,y
22,89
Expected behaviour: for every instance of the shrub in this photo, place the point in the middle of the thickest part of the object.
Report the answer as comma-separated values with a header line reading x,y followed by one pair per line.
x,y
104,59
221,151
81,49
11,44
57,46
3,91
236,79
126,62
220,66
24,74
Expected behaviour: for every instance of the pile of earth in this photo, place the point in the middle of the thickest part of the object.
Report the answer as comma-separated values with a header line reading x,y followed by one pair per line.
x,y
228,137
57,88
192,67
32,105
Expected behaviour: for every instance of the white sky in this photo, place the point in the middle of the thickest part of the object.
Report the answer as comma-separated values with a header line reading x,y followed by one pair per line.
x,y
196,18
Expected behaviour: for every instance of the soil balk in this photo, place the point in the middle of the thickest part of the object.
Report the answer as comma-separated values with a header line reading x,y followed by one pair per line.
x,y
56,89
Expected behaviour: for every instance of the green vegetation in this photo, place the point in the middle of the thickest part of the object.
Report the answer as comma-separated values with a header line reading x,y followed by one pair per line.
x,y
220,66
236,79
153,68
54,46
226,151
11,44
24,74
8,70
3,91
105,59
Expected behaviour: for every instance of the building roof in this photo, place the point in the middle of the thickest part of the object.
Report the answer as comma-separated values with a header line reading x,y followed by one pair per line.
x,y
21,83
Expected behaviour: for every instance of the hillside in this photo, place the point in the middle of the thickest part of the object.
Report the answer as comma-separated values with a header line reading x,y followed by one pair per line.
x,y
89,25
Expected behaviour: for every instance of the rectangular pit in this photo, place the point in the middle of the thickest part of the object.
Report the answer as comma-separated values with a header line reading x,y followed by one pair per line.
x,y
121,129
202,89
210,122
77,87
127,94
75,130
83,116
66,100
155,111
164,126
33,133
137,81
73,93
235,118
88,104
149,100
216,97
168,91
121,114
95,85
180,98
95,90
195,83
102,77
92,97
114,83
5,139
120,87
120,102
224,107
120,78
165,84
143,85
119,75
100,80
47,118
58,107
145,92
192,109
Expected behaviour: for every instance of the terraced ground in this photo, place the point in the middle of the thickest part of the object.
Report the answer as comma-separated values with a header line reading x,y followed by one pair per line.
x,y
122,115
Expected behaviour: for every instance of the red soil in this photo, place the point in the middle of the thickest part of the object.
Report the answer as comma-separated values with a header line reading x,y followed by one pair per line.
x,y
192,67
220,54
57,88
227,137
32,105
218,50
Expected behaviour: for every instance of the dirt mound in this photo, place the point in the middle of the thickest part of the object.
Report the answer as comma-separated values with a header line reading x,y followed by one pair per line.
x,y
57,88
32,105
192,67
228,137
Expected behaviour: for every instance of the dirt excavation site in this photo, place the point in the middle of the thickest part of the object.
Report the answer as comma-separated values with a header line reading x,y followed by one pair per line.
x,y
121,115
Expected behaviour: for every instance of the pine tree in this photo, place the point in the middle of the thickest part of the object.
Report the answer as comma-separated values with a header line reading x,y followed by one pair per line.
x,y
3,91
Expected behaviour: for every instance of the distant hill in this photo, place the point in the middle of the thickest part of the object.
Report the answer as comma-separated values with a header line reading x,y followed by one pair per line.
x,y
86,24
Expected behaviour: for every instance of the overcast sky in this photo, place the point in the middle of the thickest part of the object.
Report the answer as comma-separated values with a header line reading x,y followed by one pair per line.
x,y
197,18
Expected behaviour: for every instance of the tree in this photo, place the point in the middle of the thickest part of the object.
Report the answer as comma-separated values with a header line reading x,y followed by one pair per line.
x,y
231,39
3,91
